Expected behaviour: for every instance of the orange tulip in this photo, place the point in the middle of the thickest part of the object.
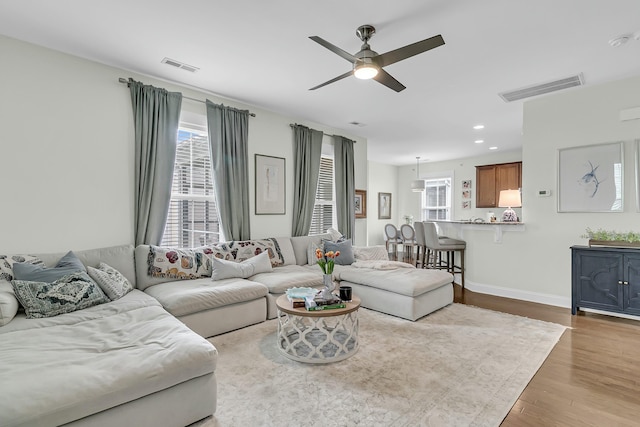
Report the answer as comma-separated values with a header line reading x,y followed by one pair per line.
x,y
337,254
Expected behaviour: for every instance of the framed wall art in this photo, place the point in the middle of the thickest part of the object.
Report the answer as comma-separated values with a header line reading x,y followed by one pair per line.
x,y
384,205
270,185
361,203
590,178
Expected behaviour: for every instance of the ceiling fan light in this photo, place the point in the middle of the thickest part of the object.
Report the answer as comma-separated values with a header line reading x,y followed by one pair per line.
x,y
365,71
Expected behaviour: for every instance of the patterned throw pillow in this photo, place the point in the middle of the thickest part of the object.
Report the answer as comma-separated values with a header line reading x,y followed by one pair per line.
x,y
239,251
110,280
7,261
178,263
72,292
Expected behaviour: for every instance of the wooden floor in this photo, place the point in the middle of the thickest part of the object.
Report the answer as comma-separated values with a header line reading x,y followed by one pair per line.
x,y
592,376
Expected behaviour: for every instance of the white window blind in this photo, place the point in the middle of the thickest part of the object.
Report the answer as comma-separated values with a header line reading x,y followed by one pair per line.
x,y
193,216
324,208
436,201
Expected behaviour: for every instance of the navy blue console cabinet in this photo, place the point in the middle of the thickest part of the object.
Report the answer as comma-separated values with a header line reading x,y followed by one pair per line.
x,y
605,278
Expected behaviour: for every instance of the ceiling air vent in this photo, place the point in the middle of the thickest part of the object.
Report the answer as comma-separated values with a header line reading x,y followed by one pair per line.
x,y
541,89
180,65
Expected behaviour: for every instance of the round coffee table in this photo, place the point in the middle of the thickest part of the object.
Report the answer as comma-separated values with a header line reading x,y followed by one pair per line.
x,y
322,336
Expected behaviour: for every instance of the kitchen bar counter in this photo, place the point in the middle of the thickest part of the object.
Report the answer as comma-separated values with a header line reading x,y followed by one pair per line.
x,y
497,227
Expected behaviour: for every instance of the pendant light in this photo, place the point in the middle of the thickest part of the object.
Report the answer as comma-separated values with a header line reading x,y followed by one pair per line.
x,y
417,185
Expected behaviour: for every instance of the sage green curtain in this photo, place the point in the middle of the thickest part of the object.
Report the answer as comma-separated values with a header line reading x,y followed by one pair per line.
x,y
228,139
307,150
156,115
345,185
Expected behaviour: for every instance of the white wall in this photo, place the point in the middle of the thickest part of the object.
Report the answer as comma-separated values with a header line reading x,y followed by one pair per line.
x,y
382,179
409,203
67,152
535,264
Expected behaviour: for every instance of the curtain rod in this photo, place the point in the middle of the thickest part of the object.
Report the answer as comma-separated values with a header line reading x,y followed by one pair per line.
x,y
333,136
125,81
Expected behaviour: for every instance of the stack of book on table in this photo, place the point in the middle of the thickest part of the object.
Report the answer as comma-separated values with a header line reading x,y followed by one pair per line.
x,y
312,300
318,303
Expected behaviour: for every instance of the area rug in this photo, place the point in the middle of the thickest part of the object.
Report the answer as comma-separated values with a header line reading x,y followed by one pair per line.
x,y
459,366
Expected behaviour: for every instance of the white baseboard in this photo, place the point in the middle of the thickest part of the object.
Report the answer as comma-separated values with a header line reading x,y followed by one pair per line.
x,y
499,291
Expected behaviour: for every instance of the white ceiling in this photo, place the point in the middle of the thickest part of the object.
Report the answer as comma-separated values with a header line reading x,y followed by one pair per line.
x,y
258,52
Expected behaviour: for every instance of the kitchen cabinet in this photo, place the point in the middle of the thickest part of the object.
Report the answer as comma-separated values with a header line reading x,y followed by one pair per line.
x,y
491,179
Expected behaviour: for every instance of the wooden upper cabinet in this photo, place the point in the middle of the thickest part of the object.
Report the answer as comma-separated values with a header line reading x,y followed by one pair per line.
x,y
491,179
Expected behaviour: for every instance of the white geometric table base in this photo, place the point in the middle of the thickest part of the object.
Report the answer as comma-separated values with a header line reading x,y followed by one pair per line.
x,y
318,339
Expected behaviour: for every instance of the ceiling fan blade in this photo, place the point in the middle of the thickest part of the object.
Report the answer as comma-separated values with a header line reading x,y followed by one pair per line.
x,y
347,74
408,51
335,49
387,80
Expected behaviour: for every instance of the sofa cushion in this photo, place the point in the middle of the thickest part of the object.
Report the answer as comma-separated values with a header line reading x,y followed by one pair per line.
x,y
346,251
176,263
69,293
68,264
7,261
191,296
289,276
72,366
110,280
406,281
8,303
223,269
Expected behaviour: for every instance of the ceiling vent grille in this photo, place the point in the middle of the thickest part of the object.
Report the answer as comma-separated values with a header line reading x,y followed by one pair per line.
x,y
541,89
180,65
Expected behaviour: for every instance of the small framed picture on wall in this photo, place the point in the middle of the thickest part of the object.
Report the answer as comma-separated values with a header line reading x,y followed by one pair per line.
x,y
384,205
361,203
466,183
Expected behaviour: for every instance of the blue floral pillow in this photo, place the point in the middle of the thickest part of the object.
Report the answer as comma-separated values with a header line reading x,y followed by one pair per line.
x,y
72,292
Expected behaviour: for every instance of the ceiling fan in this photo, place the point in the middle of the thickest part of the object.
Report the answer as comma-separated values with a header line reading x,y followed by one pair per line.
x,y
368,64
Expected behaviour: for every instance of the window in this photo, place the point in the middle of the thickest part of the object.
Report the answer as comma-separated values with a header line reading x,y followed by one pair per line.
x,y
324,209
436,200
193,217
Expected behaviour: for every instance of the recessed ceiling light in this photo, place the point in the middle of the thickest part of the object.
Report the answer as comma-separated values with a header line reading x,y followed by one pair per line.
x,y
476,127
479,141
493,148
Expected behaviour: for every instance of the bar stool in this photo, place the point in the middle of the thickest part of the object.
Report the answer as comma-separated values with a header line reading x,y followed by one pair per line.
x,y
421,244
408,235
447,246
392,238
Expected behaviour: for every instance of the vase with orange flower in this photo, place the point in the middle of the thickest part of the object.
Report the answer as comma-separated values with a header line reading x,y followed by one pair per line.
x,y
326,261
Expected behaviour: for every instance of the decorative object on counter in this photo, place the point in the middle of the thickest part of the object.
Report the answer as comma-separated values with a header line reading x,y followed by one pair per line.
x,y
509,199
360,203
491,217
590,178
418,185
326,261
602,237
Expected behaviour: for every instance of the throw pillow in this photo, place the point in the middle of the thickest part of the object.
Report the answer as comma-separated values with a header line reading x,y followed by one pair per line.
x,y
346,251
110,280
370,253
8,303
223,269
240,250
68,264
69,293
336,236
311,253
177,263
283,250
7,261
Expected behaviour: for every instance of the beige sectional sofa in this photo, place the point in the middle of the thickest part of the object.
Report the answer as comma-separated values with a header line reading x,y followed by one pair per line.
x,y
128,361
